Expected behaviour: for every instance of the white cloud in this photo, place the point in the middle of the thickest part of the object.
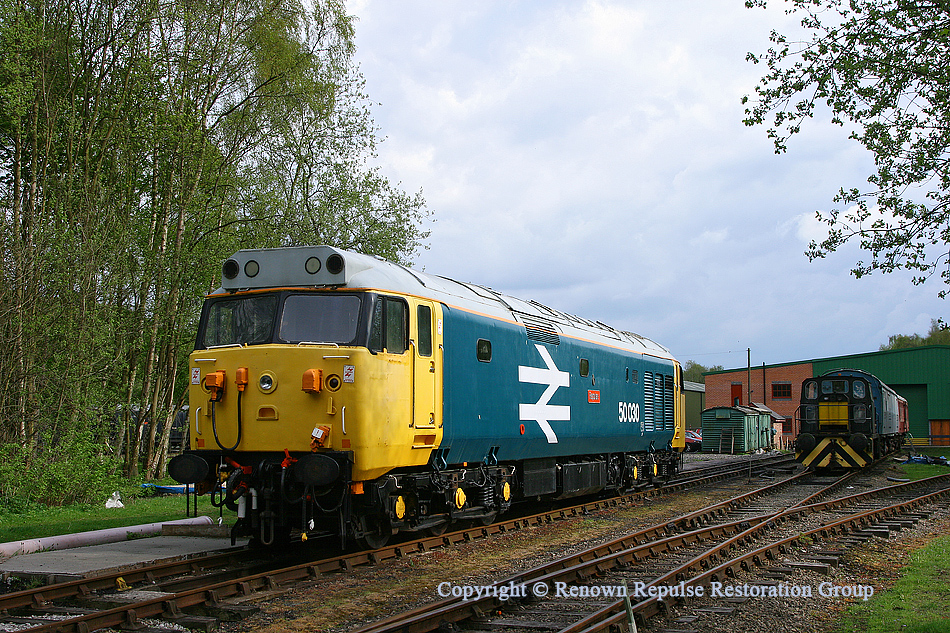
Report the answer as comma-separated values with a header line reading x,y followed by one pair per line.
x,y
708,237
592,156
807,227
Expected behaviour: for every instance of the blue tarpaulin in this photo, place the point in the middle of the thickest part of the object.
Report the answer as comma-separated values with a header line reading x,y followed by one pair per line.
x,y
926,459
167,490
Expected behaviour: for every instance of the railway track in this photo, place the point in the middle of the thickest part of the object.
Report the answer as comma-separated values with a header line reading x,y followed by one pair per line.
x,y
662,566
215,584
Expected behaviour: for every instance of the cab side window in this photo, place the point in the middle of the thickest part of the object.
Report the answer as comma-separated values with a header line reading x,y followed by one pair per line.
x,y
424,316
390,326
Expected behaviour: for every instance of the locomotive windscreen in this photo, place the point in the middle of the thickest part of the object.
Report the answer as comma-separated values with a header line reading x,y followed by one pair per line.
x,y
247,320
314,318
319,318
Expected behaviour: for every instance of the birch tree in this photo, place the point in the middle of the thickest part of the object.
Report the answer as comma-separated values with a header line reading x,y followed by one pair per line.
x,y
141,143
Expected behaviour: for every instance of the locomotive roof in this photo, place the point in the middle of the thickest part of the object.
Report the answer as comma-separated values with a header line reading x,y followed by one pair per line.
x,y
329,267
844,371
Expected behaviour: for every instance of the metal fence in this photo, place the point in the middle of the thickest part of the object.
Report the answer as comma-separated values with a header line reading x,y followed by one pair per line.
x,y
928,440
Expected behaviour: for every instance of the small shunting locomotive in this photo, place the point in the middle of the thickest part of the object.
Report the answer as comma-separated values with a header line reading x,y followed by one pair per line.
x,y
848,418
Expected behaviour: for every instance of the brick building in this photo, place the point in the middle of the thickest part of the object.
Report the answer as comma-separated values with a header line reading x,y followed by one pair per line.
x,y
778,387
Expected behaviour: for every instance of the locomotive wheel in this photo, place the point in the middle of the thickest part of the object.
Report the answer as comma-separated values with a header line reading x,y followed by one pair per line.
x,y
438,530
487,520
376,536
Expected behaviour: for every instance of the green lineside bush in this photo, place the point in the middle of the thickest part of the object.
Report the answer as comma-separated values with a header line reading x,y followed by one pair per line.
x,y
73,470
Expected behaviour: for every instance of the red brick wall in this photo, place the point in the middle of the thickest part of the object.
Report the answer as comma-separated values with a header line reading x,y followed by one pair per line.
x,y
719,387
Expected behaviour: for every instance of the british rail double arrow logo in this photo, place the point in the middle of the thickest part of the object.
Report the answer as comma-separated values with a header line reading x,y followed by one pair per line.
x,y
542,412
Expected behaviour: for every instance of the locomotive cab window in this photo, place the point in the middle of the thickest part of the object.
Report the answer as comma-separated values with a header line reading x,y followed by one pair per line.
x,y
858,388
389,329
283,317
246,320
424,318
320,319
811,390
834,386
585,367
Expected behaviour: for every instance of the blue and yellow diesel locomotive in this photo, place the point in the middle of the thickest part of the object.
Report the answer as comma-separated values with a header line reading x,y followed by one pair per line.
x,y
848,418
336,392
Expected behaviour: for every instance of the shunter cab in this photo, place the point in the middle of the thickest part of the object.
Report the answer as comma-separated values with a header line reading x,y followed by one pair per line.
x,y
837,404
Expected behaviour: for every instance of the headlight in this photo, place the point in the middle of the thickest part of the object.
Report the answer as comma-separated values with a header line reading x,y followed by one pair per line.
x,y
231,269
267,382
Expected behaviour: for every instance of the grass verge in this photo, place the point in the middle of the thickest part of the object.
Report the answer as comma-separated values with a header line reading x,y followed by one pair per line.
x,y
917,602
917,574
39,521
922,471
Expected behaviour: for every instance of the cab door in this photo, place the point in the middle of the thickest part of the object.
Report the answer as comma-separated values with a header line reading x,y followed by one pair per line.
x,y
427,373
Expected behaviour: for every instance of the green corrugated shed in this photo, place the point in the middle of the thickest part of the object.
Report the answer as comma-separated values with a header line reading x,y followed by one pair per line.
x,y
920,374
736,430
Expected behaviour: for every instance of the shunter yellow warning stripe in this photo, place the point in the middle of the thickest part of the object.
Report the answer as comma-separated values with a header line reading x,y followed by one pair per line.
x,y
834,452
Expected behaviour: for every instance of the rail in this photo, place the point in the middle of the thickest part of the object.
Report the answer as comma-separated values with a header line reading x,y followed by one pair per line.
x,y
658,540
199,592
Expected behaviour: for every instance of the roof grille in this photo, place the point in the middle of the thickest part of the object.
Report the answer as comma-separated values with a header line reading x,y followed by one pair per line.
x,y
542,335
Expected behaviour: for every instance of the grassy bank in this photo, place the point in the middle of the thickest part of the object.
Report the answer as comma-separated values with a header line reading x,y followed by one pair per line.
x,y
922,471
38,521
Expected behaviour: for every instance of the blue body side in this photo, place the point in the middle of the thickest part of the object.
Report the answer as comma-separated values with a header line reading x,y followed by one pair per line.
x,y
607,412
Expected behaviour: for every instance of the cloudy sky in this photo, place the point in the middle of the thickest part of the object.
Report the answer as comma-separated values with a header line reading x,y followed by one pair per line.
x,y
591,155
